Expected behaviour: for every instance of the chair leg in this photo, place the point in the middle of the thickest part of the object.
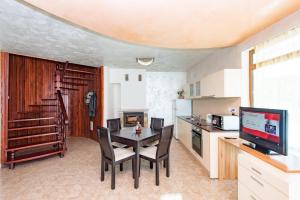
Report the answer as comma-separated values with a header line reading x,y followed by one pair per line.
x,y
113,176
168,167
164,163
151,165
106,167
140,160
157,173
121,166
102,169
133,167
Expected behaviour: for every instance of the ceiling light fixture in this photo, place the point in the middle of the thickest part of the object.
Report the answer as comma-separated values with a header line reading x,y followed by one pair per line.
x,y
145,61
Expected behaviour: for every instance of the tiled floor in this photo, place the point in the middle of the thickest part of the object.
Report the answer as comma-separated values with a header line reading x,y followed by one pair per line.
x,y
76,176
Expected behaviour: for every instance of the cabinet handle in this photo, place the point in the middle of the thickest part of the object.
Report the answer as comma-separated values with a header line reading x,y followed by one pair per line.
x,y
257,181
252,197
255,170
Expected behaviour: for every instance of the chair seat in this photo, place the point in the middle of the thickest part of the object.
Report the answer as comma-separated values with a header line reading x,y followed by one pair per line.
x,y
118,145
149,152
154,143
121,153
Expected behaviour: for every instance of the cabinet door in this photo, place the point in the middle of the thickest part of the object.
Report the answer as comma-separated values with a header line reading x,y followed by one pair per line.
x,y
192,90
180,129
204,86
197,88
184,135
206,149
189,136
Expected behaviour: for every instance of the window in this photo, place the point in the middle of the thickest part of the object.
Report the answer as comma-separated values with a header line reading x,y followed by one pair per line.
x,y
275,80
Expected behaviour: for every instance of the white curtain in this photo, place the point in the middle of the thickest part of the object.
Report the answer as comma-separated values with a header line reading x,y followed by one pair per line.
x,y
276,81
284,45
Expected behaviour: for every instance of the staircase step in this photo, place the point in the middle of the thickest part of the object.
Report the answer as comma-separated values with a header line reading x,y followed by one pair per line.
x,y
67,88
34,156
79,71
31,119
33,145
37,112
73,83
32,136
32,127
49,99
38,105
78,78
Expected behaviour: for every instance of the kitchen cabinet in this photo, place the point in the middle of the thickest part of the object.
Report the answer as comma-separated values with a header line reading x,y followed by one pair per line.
x,y
197,89
209,160
206,149
184,133
192,90
224,83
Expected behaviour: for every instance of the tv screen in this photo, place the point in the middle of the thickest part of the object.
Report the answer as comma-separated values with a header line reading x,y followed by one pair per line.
x,y
266,128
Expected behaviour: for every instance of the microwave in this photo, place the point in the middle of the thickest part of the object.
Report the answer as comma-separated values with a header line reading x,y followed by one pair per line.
x,y
226,122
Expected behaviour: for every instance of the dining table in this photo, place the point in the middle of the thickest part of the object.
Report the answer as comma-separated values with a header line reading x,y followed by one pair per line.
x,y
129,137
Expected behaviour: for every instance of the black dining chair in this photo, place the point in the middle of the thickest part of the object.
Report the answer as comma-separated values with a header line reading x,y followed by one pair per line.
x,y
159,153
156,123
112,156
115,125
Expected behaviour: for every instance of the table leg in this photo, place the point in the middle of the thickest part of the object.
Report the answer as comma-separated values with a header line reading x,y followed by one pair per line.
x,y
137,167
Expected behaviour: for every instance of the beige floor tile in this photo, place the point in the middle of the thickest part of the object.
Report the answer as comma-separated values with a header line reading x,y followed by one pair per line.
x,y
77,177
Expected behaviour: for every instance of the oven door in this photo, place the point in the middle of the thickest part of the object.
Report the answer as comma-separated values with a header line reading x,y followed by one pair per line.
x,y
197,142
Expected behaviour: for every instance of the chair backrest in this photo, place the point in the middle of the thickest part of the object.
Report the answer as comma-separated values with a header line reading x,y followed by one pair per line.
x,y
157,123
105,143
114,124
166,135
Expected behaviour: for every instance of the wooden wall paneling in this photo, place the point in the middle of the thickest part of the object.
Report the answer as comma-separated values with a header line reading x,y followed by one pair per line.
x,y
30,83
32,79
4,73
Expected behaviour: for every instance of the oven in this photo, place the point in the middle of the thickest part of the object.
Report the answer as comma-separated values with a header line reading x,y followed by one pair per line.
x,y
197,140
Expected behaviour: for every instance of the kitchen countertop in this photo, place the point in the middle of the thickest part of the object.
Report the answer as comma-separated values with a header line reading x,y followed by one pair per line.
x,y
201,124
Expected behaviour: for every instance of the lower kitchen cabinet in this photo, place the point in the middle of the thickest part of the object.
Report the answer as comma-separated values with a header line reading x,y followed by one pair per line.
x,y
209,159
184,133
206,149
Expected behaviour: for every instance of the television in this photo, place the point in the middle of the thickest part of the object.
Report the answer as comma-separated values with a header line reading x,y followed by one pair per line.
x,y
265,129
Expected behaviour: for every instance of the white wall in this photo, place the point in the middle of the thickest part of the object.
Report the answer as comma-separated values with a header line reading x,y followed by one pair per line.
x,y
231,57
161,90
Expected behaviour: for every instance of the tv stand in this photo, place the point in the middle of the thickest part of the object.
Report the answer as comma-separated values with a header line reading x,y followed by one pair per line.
x,y
260,149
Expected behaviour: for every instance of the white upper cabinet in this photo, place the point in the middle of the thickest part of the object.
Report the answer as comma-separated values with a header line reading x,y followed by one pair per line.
x,y
192,92
224,83
197,89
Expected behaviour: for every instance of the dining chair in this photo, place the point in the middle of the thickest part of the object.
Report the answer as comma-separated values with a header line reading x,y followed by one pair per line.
x,y
112,156
159,153
156,124
115,125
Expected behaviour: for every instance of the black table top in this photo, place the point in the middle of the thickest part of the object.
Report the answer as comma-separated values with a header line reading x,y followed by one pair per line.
x,y
130,134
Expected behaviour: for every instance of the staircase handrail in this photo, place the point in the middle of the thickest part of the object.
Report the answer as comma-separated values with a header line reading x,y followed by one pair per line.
x,y
62,106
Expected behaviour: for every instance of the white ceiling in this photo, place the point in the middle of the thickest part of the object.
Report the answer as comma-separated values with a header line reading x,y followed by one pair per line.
x,y
182,24
27,31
